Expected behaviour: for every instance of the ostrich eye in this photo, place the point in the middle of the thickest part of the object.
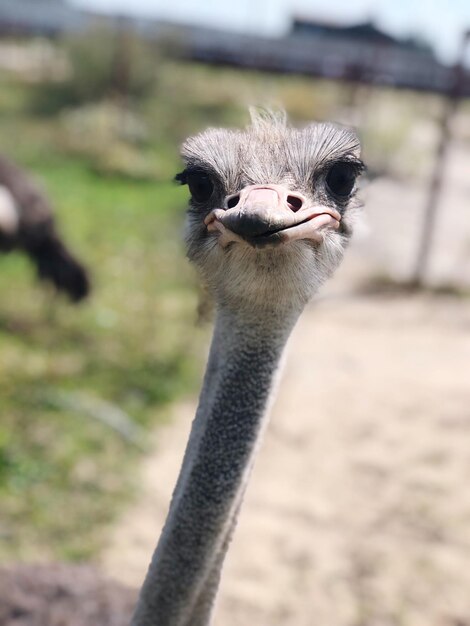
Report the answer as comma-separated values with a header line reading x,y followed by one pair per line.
x,y
200,185
341,178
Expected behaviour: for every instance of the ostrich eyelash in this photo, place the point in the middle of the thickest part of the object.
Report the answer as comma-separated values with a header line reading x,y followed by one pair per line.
x,y
358,166
181,178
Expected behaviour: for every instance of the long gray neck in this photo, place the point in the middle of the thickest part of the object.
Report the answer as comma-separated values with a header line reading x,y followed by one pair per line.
x,y
183,576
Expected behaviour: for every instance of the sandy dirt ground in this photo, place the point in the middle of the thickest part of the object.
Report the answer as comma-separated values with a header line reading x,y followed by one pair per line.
x,y
358,510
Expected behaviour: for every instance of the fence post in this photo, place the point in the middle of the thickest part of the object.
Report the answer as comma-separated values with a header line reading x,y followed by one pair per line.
x,y
435,188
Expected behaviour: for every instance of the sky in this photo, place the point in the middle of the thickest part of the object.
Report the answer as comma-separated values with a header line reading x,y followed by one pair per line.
x,y
441,22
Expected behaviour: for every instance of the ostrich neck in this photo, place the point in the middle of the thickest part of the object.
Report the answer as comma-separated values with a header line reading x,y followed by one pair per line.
x,y
183,576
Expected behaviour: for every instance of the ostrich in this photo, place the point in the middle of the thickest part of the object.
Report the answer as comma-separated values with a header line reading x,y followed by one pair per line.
x,y
27,223
270,214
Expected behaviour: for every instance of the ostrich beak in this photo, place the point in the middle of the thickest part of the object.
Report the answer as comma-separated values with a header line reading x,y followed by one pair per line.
x,y
263,215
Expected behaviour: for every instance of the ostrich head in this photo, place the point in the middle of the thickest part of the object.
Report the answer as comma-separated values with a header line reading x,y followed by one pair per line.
x,y
271,209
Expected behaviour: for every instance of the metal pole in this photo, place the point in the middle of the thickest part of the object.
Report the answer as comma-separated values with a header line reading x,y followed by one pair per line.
x,y
435,188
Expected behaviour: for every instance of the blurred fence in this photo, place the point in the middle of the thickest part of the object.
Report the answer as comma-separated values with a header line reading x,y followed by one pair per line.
x,y
360,61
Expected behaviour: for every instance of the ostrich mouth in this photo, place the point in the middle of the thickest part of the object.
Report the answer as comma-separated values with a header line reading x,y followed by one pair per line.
x,y
260,228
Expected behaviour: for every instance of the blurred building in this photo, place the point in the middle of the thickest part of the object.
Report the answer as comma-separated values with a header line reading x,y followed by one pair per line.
x,y
365,52
39,17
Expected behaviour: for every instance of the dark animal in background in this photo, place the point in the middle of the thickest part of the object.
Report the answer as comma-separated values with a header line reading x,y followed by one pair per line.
x,y
27,224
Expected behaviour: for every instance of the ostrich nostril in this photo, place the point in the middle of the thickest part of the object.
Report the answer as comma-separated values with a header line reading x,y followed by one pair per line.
x,y
233,201
294,202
